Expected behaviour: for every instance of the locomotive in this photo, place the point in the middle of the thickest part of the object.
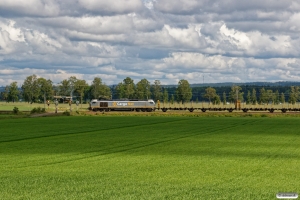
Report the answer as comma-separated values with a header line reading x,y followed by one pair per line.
x,y
122,105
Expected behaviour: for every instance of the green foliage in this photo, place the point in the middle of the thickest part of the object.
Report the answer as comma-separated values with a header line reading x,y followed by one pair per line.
x,y
13,92
183,91
177,157
236,94
98,89
4,94
45,88
38,110
224,98
165,96
31,89
211,95
143,89
294,95
66,113
172,99
248,98
157,90
253,97
16,110
65,87
126,89
282,98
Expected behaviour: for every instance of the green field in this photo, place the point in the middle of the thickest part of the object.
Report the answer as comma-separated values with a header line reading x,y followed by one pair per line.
x,y
149,157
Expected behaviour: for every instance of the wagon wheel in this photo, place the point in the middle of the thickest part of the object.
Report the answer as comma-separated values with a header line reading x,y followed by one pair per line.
x,y
191,109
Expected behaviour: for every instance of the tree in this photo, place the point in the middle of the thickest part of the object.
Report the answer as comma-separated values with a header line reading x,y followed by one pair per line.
x,y
13,94
216,100
80,86
224,98
72,83
166,96
4,94
172,99
282,98
236,94
126,89
65,87
262,96
276,97
210,94
183,91
253,97
294,94
269,96
143,89
248,98
120,89
157,90
98,89
45,88
30,89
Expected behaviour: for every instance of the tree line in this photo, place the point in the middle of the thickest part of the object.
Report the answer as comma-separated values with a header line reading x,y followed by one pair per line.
x,y
36,89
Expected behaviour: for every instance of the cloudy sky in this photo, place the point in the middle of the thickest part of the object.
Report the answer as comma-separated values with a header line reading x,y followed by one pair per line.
x,y
166,40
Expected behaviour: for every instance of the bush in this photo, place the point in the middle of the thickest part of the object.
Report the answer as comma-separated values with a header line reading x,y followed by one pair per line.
x,y
67,113
16,110
38,110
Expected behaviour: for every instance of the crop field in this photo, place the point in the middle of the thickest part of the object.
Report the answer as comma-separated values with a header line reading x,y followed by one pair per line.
x,y
117,157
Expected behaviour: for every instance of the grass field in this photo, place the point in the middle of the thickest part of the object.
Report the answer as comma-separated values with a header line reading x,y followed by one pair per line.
x,y
149,157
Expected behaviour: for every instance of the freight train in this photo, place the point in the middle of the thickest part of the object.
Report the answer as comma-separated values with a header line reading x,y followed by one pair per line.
x,y
122,105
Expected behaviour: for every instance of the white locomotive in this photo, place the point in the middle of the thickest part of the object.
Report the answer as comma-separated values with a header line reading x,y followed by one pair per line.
x,y
122,105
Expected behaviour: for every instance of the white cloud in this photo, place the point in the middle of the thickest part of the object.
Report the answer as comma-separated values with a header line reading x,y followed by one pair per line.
x,y
240,39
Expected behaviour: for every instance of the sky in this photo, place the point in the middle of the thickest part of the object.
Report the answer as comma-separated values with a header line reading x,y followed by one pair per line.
x,y
200,41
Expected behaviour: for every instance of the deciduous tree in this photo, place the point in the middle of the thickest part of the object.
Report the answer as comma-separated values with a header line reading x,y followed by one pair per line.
x,y
126,89
13,93
236,94
183,91
4,94
143,89
166,96
30,89
253,97
157,90
294,94
210,94
45,88
99,89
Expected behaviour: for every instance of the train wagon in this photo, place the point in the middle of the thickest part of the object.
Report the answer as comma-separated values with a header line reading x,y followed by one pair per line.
x,y
123,105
